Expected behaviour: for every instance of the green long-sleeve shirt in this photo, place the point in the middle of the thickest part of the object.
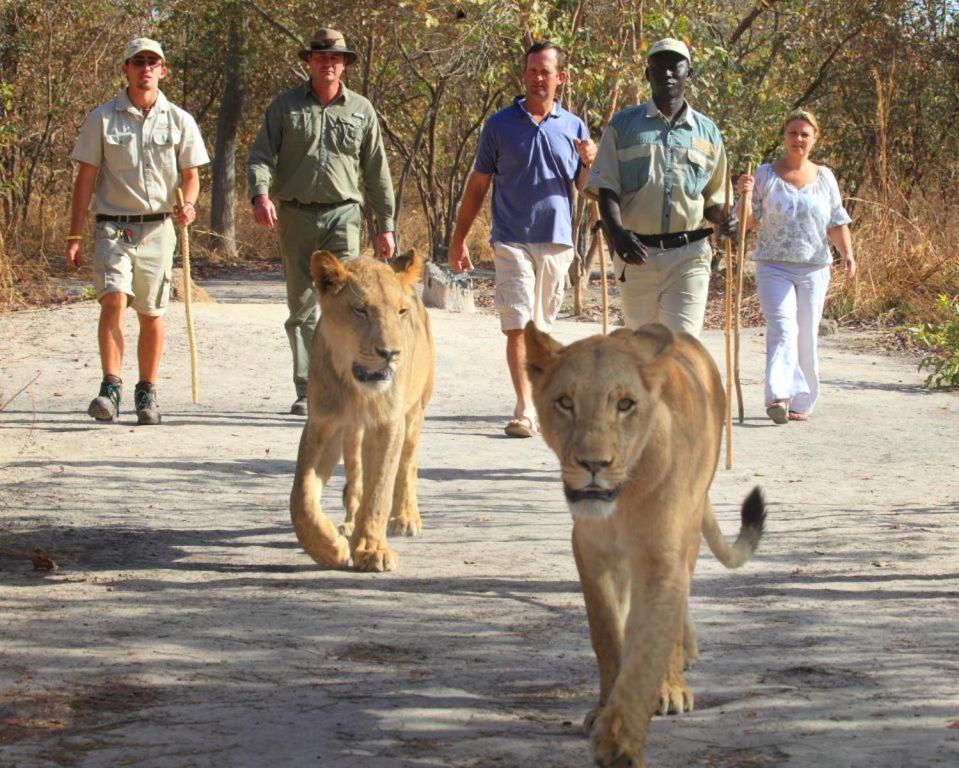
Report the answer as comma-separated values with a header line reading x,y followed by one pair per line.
x,y
315,154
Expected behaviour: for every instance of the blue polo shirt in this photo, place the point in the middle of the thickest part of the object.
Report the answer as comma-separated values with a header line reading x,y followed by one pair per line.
x,y
534,167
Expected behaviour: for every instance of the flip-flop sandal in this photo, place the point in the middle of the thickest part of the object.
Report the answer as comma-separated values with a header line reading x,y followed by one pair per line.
x,y
521,427
777,412
798,416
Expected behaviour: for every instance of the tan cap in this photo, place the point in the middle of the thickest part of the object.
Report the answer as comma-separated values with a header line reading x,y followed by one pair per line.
x,y
329,41
142,45
669,45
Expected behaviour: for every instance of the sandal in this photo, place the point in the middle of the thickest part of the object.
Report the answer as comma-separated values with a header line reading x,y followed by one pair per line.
x,y
524,426
777,412
798,416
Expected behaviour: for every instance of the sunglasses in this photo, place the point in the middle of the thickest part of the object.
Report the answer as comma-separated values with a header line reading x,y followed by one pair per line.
x,y
141,62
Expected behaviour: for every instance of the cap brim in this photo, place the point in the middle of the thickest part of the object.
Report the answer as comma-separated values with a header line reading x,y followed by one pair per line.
x,y
351,57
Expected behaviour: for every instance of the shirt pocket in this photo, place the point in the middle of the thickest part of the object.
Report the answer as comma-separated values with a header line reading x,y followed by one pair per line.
x,y
163,148
120,151
346,135
298,128
696,172
634,164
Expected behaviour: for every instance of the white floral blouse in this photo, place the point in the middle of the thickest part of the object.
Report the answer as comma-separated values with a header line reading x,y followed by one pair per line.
x,y
793,222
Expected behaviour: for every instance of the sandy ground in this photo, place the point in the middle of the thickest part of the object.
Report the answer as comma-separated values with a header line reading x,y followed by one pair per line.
x,y
186,628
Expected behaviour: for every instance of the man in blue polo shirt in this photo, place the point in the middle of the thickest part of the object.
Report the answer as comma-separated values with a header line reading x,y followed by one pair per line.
x,y
532,152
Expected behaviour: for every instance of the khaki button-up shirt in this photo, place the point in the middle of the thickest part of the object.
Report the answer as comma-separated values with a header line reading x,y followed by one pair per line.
x,y
139,158
315,154
664,175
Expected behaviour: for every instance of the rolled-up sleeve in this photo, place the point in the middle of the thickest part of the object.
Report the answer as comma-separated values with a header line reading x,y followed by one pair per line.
x,y
192,151
719,188
604,172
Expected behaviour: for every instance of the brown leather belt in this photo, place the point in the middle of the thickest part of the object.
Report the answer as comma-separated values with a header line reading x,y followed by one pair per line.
x,y
123,219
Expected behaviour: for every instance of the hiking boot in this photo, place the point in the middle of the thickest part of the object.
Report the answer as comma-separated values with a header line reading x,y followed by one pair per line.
x,y
145,400
106,405
299,407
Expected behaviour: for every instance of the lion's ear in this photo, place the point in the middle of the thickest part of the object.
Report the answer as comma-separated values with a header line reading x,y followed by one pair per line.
x,y
541,349
408,267
402,261
327,272
652,340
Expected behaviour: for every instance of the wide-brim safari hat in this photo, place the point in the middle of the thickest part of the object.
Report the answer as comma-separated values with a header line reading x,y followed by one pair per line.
x,y
329,41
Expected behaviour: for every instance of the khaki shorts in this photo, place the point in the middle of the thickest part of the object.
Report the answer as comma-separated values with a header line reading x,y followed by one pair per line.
x,y
670,288
530,281
135,259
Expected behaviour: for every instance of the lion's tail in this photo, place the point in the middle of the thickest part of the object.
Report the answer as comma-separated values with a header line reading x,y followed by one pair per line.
x,y
753,516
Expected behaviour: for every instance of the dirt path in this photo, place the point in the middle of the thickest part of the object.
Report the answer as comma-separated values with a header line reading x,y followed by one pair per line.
x,y
186,628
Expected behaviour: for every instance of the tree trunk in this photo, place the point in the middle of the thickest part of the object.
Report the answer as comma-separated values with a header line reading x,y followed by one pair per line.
x,y
223,192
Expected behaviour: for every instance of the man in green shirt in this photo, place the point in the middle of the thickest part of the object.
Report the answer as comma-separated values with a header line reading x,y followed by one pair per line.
x,y
320,154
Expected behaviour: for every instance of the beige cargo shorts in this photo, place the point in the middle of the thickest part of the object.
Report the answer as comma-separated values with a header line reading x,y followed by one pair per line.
x,y
530,282
135,258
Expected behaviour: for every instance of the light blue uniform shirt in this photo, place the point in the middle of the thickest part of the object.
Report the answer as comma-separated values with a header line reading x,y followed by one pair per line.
x,y
534,167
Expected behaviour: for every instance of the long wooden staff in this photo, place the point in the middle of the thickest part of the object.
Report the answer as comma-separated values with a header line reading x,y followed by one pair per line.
x,y
602,274
187,299
747,206
727,326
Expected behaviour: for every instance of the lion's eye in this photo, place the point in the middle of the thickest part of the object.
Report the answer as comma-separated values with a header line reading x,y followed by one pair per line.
x,y
625,405
565,403
359,311
404,312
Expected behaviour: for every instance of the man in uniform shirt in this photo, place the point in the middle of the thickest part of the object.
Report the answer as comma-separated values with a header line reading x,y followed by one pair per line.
x,y
319,152
661,175
131,154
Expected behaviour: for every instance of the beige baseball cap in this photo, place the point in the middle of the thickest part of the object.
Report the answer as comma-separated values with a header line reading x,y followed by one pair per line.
x,y
142,45
669,45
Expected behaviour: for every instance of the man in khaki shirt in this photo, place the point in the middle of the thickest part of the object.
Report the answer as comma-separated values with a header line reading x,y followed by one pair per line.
x,y
661,176
131,154
320,153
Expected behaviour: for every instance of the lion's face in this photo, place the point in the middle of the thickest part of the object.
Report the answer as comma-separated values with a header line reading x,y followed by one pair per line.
x,y
598,405
367,314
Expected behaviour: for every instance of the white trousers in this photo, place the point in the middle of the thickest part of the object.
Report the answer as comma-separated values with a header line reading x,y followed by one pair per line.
x,y
792,298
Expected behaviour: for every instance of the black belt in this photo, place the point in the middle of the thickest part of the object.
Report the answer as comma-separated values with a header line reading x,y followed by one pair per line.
x,y
316,206
674,239
123,219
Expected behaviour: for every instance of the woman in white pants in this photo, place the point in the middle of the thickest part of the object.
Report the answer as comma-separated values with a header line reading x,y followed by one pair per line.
x,y
797,206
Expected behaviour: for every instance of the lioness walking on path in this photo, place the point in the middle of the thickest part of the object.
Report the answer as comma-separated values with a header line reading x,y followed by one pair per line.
x,y
371,377
635,419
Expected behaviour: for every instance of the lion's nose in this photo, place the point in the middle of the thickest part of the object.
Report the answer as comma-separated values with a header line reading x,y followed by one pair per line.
x,y
389,355
593,465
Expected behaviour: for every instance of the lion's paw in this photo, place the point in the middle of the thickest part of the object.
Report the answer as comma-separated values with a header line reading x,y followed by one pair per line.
x,y
404,526
335,554
616,741
345,529
675,697
374,560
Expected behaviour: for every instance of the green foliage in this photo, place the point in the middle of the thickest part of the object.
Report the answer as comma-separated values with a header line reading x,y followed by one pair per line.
x,y
940,342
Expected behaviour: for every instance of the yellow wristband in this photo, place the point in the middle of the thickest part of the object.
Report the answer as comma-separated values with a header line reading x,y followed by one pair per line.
x,y
74,237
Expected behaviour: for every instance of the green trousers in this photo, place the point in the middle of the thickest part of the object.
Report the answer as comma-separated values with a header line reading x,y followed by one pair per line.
x,y
303,231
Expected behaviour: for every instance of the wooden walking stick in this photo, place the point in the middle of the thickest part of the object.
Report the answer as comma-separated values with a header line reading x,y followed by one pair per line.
x,y
602,273
187,297
728,246
746,208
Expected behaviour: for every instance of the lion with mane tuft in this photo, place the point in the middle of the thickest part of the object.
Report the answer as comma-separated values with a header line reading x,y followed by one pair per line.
x,y
371,376
636,420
